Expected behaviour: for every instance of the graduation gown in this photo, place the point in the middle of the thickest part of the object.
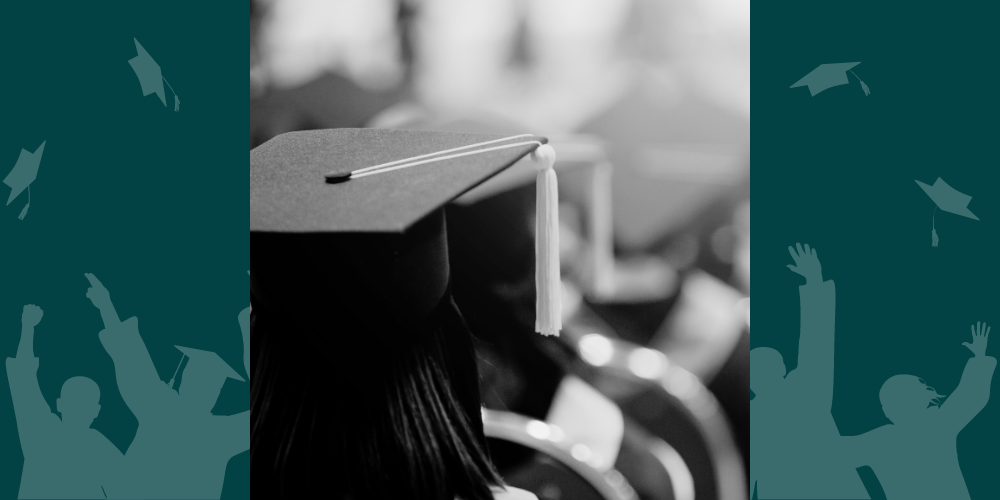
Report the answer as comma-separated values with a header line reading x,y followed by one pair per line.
x,y
176,453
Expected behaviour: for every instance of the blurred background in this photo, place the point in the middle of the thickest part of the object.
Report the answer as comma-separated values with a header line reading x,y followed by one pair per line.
x,y
647,103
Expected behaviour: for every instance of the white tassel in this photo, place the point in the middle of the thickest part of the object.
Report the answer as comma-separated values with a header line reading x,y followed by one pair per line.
x,y
548,287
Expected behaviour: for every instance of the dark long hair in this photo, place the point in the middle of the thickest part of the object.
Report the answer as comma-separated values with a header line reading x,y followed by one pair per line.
x,y
408,427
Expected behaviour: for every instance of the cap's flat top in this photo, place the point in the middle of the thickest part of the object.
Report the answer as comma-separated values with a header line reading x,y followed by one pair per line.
x,y
948,198
288,191
215,364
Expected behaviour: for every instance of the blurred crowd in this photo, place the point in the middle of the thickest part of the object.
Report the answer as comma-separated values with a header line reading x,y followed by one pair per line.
x,y
647,104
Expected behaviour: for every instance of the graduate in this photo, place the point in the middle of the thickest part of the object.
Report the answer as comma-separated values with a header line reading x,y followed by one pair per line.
x,y
365,381
63,457
180,449
794,443
916,456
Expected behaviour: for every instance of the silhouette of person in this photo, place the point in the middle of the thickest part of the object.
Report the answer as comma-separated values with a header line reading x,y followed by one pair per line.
x,y
916,456
180,449
793,436
63,458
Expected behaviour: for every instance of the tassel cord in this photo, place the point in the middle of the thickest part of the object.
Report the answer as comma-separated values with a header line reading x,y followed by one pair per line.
x,y
436,153
175,93
442,158
387,167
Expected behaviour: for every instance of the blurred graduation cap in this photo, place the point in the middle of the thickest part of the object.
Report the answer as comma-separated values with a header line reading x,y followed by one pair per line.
x,y
212,366
828,75
327,229
948,199
150,77
23,174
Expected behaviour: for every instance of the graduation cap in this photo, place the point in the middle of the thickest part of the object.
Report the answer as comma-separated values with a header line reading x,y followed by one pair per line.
x,y
212,365
23,174
829,75
150,76
948,199
351,221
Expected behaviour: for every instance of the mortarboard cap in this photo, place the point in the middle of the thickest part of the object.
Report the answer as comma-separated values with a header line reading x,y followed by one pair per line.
x,y
826,76
24,171
210,363
368,252
150,77
947,199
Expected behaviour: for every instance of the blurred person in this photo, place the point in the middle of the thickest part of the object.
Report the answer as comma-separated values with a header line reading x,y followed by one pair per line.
x,y
63,457
550,64
365,377
916,456
299,40
743,247
702,45
794,452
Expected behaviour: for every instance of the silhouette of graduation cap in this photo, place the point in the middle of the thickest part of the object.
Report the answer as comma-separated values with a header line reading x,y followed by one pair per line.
x,y
330,232
828,75
948,199
150,77
213,367
23,174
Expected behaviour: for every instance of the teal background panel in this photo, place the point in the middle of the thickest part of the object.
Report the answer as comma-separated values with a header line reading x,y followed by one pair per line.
x,y
837,171
151,201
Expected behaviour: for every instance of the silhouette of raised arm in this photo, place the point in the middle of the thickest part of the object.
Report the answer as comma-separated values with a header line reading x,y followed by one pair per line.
x,y
33,414
101,299
138,380
816,336
973,392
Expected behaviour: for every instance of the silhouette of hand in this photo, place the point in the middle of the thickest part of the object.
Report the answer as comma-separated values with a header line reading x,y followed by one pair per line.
x,y
31,316
806,263
97,293
980,336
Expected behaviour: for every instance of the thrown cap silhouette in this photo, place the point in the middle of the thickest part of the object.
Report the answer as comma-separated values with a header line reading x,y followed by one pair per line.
x,y
825,76
24,171
948,199
148,72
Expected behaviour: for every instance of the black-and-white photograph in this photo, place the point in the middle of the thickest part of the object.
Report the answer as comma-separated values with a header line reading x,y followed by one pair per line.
x,y
500,249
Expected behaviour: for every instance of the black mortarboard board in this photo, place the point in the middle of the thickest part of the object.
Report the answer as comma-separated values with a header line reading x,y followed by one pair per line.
x,y
288,192
368,251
